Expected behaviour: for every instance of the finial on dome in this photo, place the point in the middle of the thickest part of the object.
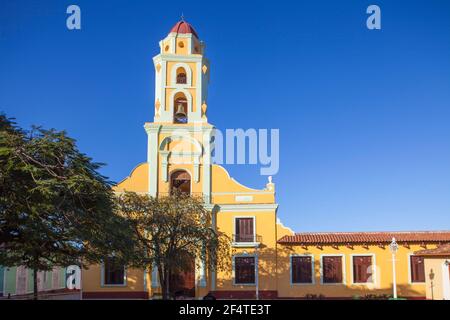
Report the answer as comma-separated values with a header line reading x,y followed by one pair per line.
x,y
182,16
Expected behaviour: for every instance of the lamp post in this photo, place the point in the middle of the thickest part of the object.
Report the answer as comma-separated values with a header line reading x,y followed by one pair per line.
x,y
257,273
393,247
431,275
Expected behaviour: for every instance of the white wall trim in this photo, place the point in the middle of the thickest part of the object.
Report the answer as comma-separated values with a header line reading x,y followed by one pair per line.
x,y
446,284
245,207
240,193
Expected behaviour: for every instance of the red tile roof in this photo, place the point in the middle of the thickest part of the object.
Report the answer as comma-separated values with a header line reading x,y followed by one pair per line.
x,y
365,237
443,250
183,27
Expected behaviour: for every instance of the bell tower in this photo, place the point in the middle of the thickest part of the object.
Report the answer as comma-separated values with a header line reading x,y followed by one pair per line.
x,y
179,138
181,77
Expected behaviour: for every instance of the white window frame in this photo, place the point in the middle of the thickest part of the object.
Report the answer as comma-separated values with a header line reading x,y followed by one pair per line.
x,y
234,269
373,266
313,275
254,243
344,271
102,277
409,255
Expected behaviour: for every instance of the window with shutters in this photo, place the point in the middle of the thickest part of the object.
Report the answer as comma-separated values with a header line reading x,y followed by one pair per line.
x,y
244,229
113,272
332,270
301,269
417,268
244,270
362,269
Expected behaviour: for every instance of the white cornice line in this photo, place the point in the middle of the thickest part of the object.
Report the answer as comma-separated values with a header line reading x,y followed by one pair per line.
x,y
240,193
247,207
178,58
169,128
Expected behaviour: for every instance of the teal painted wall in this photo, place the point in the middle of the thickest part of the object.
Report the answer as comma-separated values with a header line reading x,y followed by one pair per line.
x,y
30,278
63,278
10,281
49,280
2,277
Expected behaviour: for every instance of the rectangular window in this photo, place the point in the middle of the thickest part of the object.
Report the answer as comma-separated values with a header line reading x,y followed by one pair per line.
x,y
114,273
244,270
362,269
301,269
332,269
417,269
244,230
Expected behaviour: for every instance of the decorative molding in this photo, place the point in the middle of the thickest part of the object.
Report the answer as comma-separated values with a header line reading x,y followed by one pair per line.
x,y
247,207
243,198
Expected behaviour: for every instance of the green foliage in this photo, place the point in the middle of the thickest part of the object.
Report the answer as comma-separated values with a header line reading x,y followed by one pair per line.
x,y
171,231
55,208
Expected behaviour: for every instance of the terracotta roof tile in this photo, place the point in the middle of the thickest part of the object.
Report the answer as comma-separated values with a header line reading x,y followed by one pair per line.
x,y
365,237
443,250
183,27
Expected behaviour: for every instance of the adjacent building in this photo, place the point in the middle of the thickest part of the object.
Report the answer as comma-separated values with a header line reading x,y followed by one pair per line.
x,y
18,281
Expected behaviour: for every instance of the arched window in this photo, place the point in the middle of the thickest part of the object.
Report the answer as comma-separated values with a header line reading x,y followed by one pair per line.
x,y
181,76
180,181
180,109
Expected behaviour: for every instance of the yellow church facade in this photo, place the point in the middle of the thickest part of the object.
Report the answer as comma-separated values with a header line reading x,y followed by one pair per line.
x,y
268,260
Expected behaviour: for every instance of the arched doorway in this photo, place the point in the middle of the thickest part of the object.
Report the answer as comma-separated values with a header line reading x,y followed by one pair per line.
x,y
182,282
180,181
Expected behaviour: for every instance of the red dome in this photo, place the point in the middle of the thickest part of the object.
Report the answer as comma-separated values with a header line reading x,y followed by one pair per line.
x,y
183,27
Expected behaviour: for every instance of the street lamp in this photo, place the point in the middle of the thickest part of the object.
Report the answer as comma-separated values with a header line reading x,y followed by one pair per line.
x,y
257,273
393,247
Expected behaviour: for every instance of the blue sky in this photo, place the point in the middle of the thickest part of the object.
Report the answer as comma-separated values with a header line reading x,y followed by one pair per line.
x,y
363,115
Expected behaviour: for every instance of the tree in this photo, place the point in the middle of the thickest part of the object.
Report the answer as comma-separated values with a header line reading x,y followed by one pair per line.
x,y
55,208
169,232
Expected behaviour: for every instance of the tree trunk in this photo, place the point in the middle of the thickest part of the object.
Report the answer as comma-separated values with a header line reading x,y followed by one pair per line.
x,y
167,283
162,281
35,284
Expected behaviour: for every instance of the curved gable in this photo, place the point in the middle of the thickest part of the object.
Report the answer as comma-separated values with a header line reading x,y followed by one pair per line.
x,y
223,182
137,181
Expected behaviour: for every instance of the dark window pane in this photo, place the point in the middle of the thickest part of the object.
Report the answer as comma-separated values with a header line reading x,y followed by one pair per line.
x,y
244,270
362,269
301,270
114,273
417,269
244,230
181,78
332,269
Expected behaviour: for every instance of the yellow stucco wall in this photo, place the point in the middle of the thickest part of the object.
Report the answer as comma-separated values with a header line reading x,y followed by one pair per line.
x,y
435,289
264,222
137,181
382,278
92,281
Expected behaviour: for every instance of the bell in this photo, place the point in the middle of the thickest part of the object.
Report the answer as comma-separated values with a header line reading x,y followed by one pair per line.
x,y
180,111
